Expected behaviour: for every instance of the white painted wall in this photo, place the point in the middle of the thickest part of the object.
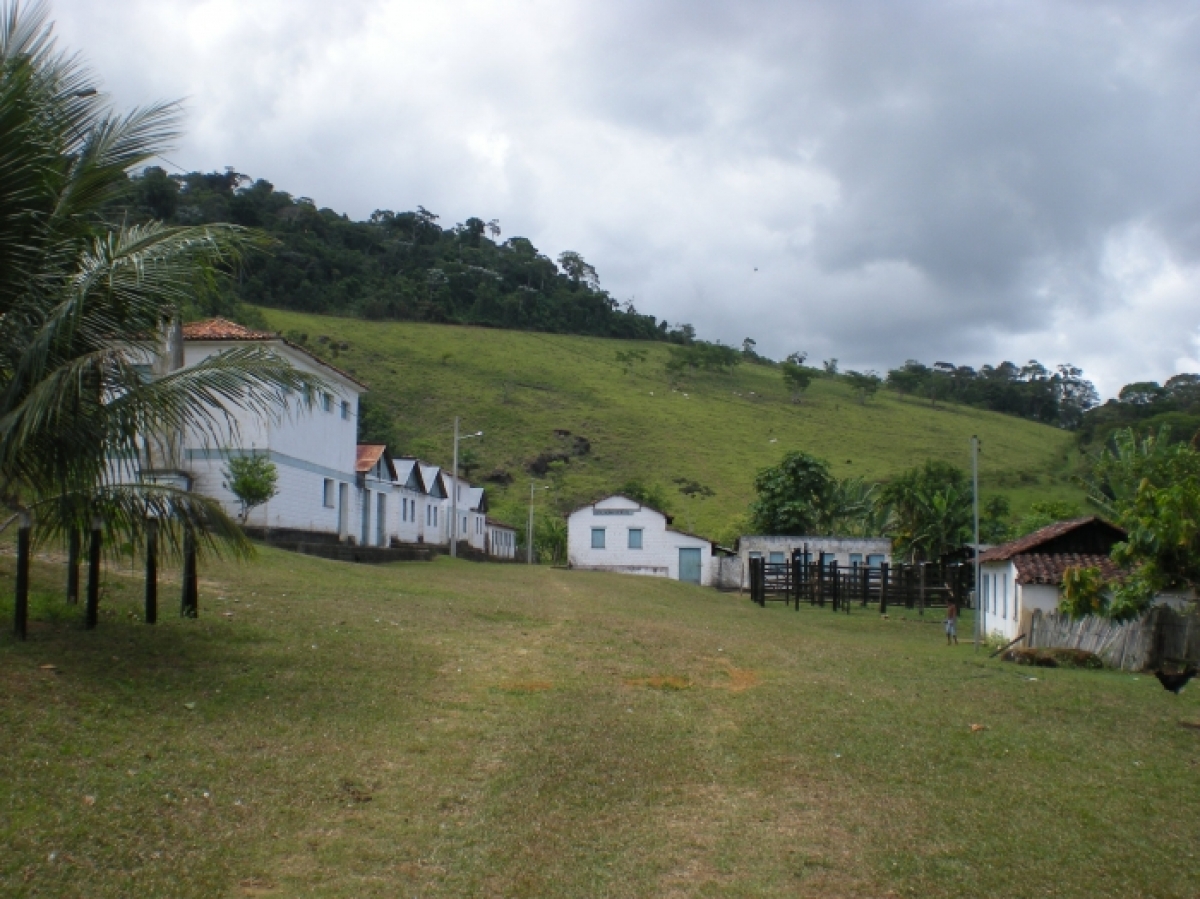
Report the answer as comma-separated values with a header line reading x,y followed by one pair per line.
x,y
1001,598
501,541
308,446
617,515
845,549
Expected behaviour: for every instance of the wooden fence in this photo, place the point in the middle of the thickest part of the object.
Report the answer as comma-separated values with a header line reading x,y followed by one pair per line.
x,y
821,583
1161,636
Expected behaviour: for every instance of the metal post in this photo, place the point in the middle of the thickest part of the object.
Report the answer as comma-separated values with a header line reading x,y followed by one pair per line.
x,y
91,612
21,601
979,613
529,535
152,571
73,549
454,497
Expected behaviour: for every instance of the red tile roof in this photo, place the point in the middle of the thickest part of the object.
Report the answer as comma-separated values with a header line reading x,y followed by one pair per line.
x,y
367,456
1030,542
223,329
1048,568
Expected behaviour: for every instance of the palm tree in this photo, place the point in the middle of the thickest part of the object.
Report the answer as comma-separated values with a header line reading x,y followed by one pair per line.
x,y
85,305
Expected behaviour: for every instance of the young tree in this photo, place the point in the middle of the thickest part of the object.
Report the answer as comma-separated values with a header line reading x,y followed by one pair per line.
x,y
864,384
797,377
932,510
253,480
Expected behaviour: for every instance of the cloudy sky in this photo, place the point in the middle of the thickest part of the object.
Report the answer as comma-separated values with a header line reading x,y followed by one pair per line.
x,y
963,182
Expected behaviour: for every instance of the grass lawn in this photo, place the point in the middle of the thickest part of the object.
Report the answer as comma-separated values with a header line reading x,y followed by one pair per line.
x,y
454,729
716,429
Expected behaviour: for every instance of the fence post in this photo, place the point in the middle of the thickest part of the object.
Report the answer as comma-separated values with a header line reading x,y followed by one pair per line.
x,y
883,587
833,575
821,579
866,584
797,574
921,609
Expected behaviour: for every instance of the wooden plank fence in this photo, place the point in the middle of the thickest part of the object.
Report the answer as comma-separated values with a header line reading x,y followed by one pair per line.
x,y
820,582
1161,636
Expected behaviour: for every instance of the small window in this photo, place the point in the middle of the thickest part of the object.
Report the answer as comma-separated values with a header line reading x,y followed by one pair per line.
x,y
855,560
597,538
756,555
777,558
328,494
875,560
345,410
327,402
635,538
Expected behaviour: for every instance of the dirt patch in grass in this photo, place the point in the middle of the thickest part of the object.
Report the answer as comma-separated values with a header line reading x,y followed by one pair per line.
x,y
660,682
740,679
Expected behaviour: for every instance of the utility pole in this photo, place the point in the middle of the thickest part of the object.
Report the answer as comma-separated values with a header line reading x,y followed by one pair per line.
x,y
454,490
979,612
529,538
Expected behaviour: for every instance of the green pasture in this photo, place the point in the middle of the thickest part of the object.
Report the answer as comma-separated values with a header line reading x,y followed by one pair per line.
x,y
455,729
715,429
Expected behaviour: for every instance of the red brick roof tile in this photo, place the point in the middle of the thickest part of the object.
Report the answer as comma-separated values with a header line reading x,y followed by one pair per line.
x,y
1048,568
1030,542
367,455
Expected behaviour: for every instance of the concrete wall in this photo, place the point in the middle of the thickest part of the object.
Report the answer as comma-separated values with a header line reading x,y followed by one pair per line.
x,y
841,548
726,572
659,554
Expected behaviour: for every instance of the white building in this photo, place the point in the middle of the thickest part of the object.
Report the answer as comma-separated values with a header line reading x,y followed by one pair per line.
x,y
848,552
501,540
376,494
314,450
620,534
1025,575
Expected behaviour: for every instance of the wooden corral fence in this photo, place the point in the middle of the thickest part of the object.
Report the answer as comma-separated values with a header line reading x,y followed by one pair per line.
x,y
1161,636
819,582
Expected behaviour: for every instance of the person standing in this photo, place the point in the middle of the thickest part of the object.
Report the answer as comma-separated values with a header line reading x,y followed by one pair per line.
x,y
951,623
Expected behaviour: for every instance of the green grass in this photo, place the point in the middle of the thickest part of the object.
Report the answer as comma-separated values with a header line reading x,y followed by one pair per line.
x,y
451,729
717,429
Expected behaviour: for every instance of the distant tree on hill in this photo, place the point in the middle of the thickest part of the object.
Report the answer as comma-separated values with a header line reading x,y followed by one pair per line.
x,y
797,377
864,384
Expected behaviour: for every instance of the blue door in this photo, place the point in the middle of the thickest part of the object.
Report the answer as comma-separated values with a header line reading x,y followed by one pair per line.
x,y
689,565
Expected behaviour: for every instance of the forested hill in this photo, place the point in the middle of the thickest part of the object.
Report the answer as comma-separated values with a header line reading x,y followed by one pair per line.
x,y
396,265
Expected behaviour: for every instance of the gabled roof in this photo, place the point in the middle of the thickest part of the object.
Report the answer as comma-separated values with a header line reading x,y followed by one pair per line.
x,y
669,518
476,499
223,330
367,456
406,470
1044,538
1048,568
430,475
499,524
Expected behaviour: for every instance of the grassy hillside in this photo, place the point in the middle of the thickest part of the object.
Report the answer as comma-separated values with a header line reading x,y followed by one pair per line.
x,y
717,430
454,729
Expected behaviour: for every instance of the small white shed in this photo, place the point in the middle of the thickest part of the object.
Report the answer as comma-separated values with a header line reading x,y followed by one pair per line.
x,y
620,534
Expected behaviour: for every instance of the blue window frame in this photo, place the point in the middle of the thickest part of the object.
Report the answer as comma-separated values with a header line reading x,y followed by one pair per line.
x,y
635,538
597,538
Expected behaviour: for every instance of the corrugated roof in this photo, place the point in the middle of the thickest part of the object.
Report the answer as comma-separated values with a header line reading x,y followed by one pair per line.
x,y
1048,568
1030,542
221,329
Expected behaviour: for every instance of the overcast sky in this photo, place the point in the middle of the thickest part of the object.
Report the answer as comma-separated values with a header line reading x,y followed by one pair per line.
x,y
873,181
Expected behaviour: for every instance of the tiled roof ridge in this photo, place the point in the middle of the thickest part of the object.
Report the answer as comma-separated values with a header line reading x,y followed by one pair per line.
x,y
1030,542
1048,568
218,328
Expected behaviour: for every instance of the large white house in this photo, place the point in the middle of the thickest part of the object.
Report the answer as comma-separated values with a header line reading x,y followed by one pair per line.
x,y
620,534
314,450
1025,575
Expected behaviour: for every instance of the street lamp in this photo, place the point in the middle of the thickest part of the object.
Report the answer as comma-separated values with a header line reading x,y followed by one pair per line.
x,y
529,542
454,490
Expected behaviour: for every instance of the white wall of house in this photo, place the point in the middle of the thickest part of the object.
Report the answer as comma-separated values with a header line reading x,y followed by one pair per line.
x,y
1000,598
615,517
501,540
308,446
848,551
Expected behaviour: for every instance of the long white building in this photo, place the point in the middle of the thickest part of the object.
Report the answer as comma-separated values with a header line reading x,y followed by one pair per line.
x,y
328,484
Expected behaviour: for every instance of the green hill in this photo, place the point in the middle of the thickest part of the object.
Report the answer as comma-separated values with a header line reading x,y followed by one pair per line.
x,y
542,395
